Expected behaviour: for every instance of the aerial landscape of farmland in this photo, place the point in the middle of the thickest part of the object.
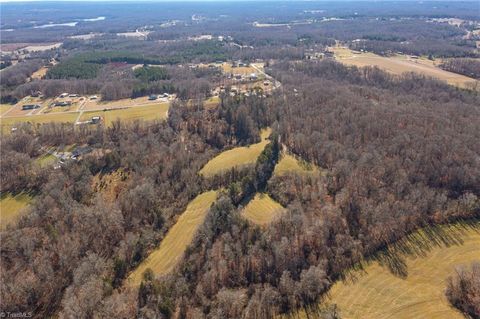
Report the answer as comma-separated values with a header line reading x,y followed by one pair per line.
x,y
240,159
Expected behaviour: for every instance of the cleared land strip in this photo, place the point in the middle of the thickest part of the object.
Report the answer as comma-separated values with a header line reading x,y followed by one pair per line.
x,y
236,157
262,209
162,260
417,291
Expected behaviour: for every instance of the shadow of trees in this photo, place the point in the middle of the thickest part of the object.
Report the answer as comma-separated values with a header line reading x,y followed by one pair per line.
x,y
416,245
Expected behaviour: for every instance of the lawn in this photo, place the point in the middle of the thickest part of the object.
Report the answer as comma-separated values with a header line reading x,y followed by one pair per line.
x,y
236,157
163,259
11,207
289,163
417,289
146,112
46,160
262,209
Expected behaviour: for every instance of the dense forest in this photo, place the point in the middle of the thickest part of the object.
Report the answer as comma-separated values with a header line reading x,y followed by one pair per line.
x,y
399,152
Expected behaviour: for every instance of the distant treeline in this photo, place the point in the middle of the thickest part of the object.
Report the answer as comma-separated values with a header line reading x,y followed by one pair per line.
x,y
87,65
468,67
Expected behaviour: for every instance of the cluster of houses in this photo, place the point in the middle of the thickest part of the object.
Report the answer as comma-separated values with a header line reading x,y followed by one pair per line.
x,y
243,77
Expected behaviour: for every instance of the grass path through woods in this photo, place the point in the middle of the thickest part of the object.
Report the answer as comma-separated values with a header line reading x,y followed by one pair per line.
x,y
163,259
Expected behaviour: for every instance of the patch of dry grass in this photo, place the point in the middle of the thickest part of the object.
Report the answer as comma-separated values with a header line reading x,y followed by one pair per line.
x,y
262,209
8,122
236,157
289,163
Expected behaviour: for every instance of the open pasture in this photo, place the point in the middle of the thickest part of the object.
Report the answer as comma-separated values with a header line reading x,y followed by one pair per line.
x,y
11,207
236,157
399,64
408,279
262,209
163,259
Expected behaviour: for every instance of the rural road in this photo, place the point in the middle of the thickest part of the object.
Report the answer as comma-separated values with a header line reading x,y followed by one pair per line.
x,y
276,84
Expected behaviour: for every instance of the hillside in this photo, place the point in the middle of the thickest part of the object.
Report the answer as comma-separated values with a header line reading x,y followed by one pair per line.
x,y
236,157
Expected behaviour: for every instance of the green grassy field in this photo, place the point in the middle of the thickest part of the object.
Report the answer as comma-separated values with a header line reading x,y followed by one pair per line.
x,y
163,259
289,163
408,280
11,207
146,112
236,157
262,209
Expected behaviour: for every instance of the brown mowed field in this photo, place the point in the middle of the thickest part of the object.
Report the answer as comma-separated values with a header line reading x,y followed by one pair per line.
x,y
408,280
400,64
